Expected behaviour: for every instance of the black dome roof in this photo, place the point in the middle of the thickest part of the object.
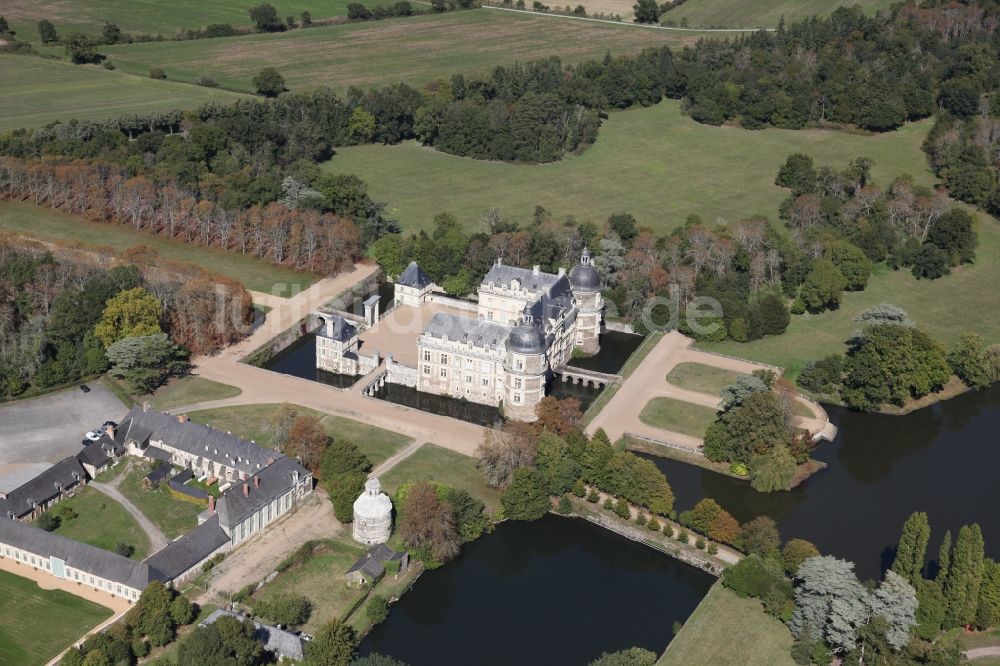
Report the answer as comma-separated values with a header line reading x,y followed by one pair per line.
x,y
526,340
585,277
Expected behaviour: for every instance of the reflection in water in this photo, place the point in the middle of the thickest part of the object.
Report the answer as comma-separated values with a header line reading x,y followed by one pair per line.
x,y
616,347
555,591
941,460
440,404
299,360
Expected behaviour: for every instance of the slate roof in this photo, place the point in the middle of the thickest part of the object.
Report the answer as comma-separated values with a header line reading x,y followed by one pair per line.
x,y
94,455
548,283
283,643
78,555
480,332
178,556
159,473
66,473
190,491
373,561
275,480
337,328
414,276
200,440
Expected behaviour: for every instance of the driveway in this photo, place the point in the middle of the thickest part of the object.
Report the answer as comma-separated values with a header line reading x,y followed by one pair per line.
x,y
156,538
50,427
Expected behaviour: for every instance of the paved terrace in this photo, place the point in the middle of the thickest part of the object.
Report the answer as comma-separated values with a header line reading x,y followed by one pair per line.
x,y
397,332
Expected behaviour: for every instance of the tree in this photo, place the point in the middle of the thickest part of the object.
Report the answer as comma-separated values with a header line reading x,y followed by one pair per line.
x,y
147,362
646,11
268,82
701,517
931,608
129,314
823,286
912,547
4,26
47,32
744,387
81,49
361,125
830,600
773,470
969,361
754,428
377,610
334,645
284,608
308,441
504,451
895,600
558,416
306,19
633,656
961,587
48,521
795,552
954,233
760,536
182,612
281,426
554,463
774,314
527,496
797,174
111,33
851,262
265,18
428,524
931,262
988,611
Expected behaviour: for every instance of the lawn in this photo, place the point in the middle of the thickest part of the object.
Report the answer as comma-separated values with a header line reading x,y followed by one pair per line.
x,y
171,515
37,624
189,390
37,91
415,50
100,521
704,378
47,224
945,308
725,630
434,463
655,163
321,580
256,422
150,16
677,416
759,13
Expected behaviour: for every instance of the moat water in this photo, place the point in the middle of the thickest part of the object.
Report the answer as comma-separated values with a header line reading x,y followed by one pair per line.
x,y
555,591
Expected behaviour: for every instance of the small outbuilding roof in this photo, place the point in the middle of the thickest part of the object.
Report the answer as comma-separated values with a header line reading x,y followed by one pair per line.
x,y
414,276
281,642
372,563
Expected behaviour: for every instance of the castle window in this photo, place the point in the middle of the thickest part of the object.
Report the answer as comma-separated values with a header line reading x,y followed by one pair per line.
x,y
444,372
486,382
427,369
444,359
517,397
517,382
520,365
468,379
427,356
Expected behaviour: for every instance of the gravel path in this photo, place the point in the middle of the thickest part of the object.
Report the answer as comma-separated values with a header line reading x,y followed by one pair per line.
x,y
156,538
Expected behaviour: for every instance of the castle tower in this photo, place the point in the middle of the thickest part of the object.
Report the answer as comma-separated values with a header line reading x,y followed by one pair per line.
x,y
372,515
585,282
525,369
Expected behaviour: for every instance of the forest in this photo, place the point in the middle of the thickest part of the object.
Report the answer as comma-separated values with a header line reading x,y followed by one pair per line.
x,y
67,314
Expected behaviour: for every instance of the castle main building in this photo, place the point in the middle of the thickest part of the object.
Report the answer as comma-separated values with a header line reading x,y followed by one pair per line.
x,y
500,351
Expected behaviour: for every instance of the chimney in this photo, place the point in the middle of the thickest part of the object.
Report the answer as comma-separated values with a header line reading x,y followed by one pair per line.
x,y
243,476
256,482
270,461
562,271
110,430
211,505
182,418
146,407
246,490
535,269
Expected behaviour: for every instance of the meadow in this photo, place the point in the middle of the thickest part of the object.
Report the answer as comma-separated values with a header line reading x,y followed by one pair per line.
x,y
94,518
414,50
37,624
37,91
759,13
655,163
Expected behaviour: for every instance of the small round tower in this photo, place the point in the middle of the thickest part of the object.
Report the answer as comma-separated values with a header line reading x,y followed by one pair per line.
x,y
525,368
372,515
585,282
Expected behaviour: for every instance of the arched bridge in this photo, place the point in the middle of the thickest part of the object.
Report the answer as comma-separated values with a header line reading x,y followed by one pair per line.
x,y
585,377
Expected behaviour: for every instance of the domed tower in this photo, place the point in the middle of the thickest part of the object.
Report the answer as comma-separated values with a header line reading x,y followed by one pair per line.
x,y
585,282
372,515
525,368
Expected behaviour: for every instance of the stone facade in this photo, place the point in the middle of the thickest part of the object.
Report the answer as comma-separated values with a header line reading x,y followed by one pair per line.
x,y
337,348
372,515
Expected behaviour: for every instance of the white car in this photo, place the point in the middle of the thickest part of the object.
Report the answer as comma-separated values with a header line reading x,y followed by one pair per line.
x,y
93,435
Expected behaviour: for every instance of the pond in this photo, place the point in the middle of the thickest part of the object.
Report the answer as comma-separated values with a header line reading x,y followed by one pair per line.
x,y
299,360
942,460
442,405
555,591
616,347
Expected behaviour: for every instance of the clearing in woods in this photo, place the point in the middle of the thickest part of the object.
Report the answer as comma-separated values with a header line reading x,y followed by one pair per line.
x,y
37,91
415,50
758,13
655,163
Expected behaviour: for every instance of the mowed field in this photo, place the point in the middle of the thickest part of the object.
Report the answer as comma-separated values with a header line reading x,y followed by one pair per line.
x,y
37,624
655,163
37,91
414,50
151,16
759,13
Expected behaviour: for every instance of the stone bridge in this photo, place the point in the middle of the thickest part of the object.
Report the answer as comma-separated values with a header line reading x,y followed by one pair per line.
x,y
584,377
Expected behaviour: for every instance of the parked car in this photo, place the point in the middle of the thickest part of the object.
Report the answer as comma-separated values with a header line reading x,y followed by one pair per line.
x,y
93,435
84,388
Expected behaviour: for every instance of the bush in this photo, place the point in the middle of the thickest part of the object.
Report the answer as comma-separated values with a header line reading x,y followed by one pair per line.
x,y
244,593
124,549
682,536
653,525
699,543
641,520
668,529
378,609
565,506
157,73
593,496
207,81
622,509
713,548
609,504
284,608
739,469
761,579
579,489
48,522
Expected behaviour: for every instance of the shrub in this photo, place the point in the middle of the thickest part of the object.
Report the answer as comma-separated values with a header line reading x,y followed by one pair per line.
x,y
578,488
713,548
565,506
699,543
593,496
244,593
48,522
622,509
682,536
641,520
378,609
124,549
653,525
609,504
762,579
739,469
668,529
107,64
207,81
157,73
284,608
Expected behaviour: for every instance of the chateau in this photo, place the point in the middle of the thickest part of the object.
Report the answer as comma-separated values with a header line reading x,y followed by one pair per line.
x,y
500,350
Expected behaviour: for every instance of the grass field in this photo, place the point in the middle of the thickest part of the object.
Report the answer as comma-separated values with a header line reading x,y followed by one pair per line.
x,y
759,13
677,416
47,224
434,463
37,624
37,91
256,422
100,521
655,163
150,16
945,308
189,390
725,630
704,378
414,50
171,515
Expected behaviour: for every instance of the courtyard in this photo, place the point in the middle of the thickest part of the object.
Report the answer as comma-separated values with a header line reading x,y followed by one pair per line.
x,y
397,332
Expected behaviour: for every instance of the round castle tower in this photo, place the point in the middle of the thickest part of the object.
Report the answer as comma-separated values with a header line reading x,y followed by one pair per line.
x,y
372,515
585,282
525,368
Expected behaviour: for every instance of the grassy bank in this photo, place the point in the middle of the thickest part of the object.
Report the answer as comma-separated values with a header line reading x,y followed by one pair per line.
x,y
46,224
38,91
189,390
655,163
434,463
759,13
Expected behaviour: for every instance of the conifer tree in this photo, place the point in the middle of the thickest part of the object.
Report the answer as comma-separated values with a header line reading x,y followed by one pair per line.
x,y
961,587
912,547
944,558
